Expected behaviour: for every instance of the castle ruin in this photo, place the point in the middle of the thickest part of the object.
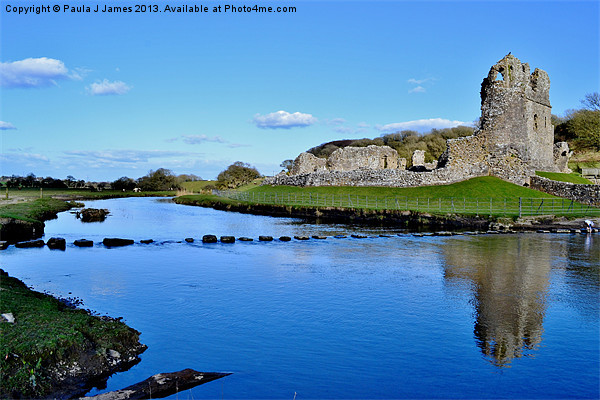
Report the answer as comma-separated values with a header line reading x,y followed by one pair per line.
x,y
515,138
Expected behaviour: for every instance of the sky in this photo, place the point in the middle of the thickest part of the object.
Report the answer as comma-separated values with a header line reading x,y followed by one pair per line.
x,y
101,95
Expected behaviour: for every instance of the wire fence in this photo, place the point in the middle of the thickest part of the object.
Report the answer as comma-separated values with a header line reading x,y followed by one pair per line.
x,y
508,206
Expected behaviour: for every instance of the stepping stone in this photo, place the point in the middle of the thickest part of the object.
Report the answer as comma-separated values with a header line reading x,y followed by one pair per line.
x,y
227,239
319,237
301,237
340,236
285,238
56,243
209,239
30,243
83,243
385,236
189,240
3,244
417,234
245,239
265,238
355,236
443,233
146,241
117,242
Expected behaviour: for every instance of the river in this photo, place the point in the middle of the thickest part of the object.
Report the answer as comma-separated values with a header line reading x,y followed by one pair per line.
x,y
488,316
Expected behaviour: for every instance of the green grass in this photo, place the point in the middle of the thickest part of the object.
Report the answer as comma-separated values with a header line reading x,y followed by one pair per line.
x,y
571,178
482,187
197,186
35,210
477,196
46,332
35,193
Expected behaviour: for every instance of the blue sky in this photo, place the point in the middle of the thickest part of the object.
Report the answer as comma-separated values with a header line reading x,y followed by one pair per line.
x,y
104,95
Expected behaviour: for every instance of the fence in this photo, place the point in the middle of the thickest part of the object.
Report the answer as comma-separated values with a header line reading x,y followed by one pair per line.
x,y
478,206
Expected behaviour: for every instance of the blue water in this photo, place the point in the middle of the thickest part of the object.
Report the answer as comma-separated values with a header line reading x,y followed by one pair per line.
x,y
491,316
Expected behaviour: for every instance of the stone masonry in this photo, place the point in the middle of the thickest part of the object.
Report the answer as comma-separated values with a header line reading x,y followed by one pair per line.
x,y
514,140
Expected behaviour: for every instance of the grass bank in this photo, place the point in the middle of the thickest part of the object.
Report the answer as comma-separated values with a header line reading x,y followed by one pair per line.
x,y
51,349
485,196
561,177
37,210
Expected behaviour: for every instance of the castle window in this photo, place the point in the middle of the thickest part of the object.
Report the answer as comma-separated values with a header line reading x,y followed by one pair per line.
x,y
500,75
535,122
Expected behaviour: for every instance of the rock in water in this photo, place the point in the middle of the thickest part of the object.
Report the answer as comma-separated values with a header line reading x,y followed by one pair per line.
x,y
83,243
161,385
56,243
93,215
30,243
209,239
115,242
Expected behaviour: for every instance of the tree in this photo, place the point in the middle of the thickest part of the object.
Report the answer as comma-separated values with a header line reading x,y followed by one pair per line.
x,y
287,164
161,179
123,183
236,175
591,101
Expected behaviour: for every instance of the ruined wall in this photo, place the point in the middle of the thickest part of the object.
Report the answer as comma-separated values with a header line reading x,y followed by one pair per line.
x,y
366,177
586,194
514,140
306,163
562,153
370,157
516,114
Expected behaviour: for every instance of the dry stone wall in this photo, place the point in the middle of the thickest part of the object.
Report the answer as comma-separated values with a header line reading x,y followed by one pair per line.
x,y
587,194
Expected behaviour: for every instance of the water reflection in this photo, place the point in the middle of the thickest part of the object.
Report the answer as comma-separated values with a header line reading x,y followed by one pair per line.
x,y
509,278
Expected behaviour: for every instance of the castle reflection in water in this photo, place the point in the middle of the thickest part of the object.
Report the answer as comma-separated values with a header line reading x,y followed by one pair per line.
x,y
509,279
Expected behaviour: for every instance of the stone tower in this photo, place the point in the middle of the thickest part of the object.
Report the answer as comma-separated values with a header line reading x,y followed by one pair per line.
x,y
516,114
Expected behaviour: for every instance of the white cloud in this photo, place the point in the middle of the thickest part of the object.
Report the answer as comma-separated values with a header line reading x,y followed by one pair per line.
x,y
4,126
421,125
106,88
33,72
126,156
418,89
197,139
20,160
418,81
283,120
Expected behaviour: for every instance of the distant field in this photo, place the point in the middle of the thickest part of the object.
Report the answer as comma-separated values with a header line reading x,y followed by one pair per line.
x,y
196,186
571,178
34,193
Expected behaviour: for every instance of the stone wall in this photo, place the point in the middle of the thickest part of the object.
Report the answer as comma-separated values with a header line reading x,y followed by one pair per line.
x,y
586,194
366,177
370,157
307,163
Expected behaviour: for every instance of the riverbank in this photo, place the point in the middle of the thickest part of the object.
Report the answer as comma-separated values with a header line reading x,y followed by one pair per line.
x,y
22,216
25,220
51,349
411,220
401,219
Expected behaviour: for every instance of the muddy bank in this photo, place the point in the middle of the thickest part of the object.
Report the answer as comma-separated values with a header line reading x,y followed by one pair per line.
x,y
401,219
50,349
411,220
